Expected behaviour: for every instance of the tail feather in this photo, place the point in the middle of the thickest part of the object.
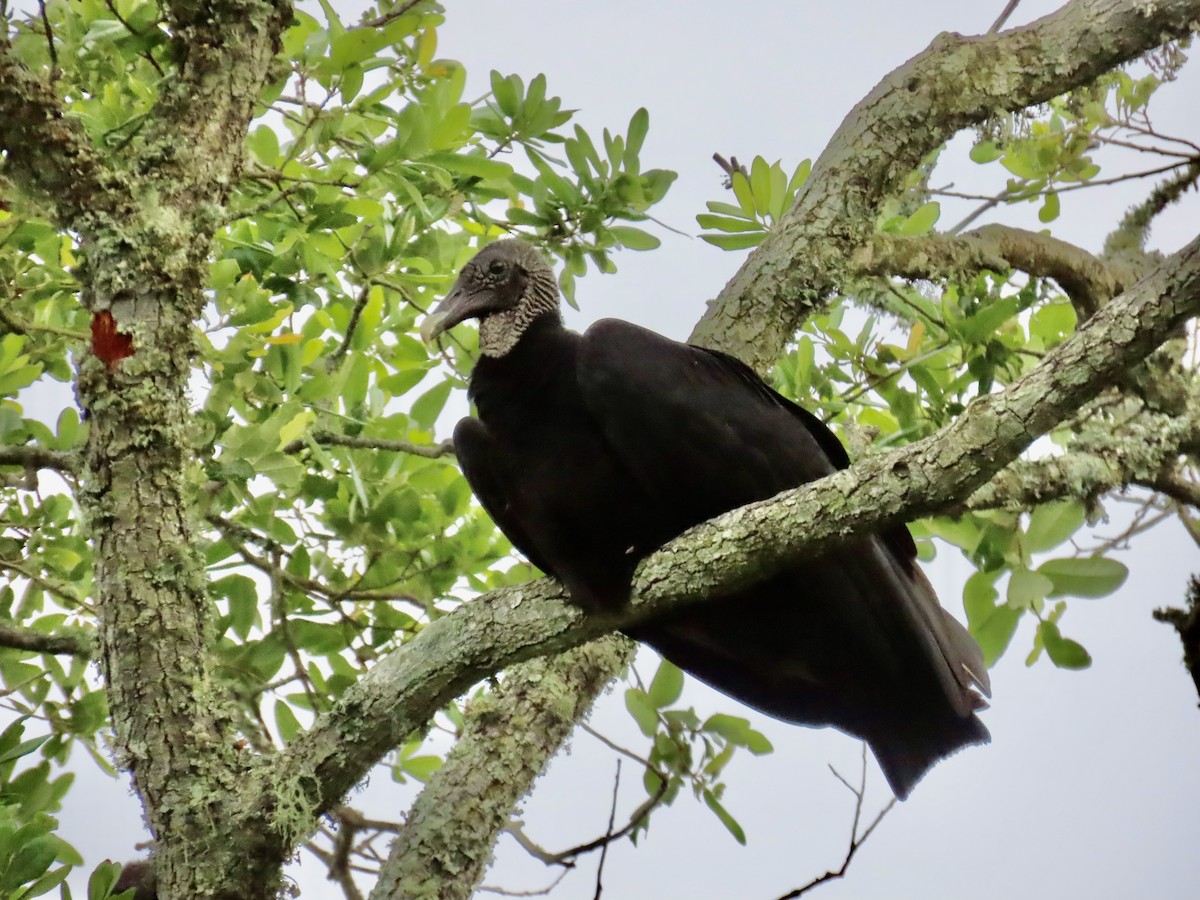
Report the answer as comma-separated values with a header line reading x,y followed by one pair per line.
x,y
906,752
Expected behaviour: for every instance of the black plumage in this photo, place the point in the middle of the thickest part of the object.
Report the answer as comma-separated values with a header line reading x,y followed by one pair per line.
x,y
590,451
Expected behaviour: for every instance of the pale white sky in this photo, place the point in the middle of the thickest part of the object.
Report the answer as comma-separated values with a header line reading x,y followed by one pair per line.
x,y
1090,786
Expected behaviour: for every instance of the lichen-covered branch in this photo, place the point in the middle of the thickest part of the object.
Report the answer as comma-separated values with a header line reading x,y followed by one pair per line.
x,y
935,474
49,155
330,439
1134,453
1128,240
956,82
65,643
1186,622
144,212
511,732
31,456
1088,282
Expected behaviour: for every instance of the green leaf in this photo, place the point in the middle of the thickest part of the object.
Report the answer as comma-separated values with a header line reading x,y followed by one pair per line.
x,y
711,801
429,405
728,223
992,625
744,194
1052,523
1092,576
800,176
639,125
667,684
48,882
642,710
263,143
922,220
295,426
760,185
734,729
985,152
1026,589
18,378
242,594
1050,207
30,860
506,91
103,877
475,166
757,743
634,238
735,241
728,209
1063,652
24,748
286,721
421,767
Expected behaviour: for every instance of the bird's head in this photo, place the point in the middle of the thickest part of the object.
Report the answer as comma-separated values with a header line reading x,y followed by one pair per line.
x,y
506,286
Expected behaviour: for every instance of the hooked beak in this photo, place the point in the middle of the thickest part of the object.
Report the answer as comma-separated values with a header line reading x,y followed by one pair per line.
x,y
458,306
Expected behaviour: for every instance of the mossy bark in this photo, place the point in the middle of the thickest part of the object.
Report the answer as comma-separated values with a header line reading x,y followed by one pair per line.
x,y
511,733
145,214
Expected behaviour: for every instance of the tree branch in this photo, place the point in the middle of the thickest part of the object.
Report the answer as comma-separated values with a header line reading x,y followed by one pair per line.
x,y
1186,623
1096,463
1088,282
1128,240
747,544
510,733
856,839
330,439
802,263
49,155
68,644
31,456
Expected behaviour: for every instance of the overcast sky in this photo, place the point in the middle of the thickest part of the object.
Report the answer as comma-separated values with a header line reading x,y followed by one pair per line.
x,y
1090,787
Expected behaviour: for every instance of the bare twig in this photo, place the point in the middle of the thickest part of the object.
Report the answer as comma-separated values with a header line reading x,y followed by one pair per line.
x,y
336,357
1064,188
145,54
328,438
238,535
1008,10
612,817
536,892
856,839
567,857
1178,488
49,41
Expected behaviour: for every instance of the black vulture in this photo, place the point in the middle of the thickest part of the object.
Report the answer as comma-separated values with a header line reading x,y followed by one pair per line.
x,y
592,450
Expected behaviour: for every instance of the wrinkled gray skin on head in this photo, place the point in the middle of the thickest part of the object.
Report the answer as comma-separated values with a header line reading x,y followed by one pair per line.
x,y
506,285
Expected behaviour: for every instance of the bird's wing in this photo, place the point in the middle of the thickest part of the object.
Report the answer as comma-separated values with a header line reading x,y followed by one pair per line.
x,y
702,433
696,428
479,458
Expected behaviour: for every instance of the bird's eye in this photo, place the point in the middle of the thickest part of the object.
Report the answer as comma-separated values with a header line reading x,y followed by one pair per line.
x,y
498,268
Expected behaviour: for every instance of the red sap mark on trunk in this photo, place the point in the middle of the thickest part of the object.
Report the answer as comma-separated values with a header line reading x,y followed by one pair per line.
x,y
108,344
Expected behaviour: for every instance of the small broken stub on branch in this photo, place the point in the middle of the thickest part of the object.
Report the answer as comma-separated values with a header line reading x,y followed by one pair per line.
x,y
109,345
